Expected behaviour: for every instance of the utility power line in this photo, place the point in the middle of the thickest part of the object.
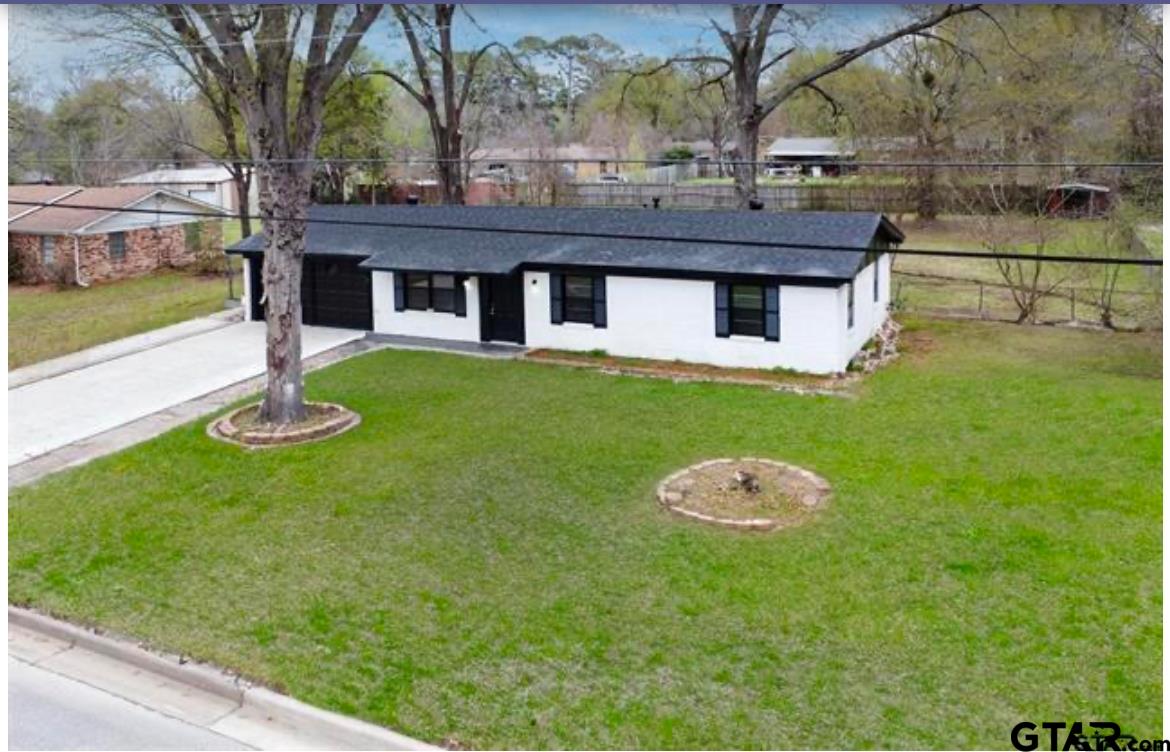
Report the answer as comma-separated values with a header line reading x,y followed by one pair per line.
x,y
1067,259
589,160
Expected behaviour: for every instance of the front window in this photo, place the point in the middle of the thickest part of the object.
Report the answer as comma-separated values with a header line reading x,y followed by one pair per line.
x,y
418,291
47,249
579,299
877,274
430,292
850,313
117,246
747,310
443,292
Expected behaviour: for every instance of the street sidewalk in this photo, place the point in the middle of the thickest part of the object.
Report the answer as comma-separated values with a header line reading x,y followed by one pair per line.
x,y
197,694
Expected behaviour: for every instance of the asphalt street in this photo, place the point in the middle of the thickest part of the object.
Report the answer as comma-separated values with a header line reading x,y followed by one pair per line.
x,y
50,711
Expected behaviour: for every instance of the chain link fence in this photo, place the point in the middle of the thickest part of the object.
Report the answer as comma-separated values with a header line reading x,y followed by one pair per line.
x,y
1133,310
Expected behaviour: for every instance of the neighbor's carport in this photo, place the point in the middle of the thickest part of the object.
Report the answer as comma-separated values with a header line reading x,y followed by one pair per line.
x,y
335,292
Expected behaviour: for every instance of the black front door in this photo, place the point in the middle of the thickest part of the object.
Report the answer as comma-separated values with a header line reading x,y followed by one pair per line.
x,y
502,308
255,286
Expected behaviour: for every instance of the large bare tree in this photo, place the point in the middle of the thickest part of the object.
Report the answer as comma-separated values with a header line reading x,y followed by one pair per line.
x,y
745,57
443,94
143,36
250,50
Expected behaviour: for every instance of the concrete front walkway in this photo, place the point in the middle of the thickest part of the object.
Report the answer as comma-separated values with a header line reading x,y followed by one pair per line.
x,y
53,412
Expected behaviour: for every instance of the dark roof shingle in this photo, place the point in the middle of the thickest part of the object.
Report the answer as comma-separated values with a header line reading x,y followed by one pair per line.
x,y
477,246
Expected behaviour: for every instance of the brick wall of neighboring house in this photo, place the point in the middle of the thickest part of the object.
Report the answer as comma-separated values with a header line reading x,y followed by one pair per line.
x,y
24,259
147,249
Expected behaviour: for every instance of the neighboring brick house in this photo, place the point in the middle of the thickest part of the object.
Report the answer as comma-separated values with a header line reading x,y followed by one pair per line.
x,y
64,242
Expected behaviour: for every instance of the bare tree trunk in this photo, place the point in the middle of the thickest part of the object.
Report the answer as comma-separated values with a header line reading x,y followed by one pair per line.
x,y
283,207
748,135
717,142
242,181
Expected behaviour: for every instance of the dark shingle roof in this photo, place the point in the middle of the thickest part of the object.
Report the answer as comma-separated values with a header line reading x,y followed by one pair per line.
x,y
476,251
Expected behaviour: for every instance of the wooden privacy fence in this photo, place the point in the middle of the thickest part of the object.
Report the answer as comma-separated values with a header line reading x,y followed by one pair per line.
x,y
886,197
890,196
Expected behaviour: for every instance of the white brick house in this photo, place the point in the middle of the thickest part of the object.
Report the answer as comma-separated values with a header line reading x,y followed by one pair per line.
x,y
802,291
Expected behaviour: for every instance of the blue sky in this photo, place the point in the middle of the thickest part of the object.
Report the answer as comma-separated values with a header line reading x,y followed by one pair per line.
x,y
37,51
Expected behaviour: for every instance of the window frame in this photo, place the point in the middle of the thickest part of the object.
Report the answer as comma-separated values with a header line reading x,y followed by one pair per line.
x,y
877,273
849,306
590,299
431,303
732,320
120,256
409,287
48,250
433,288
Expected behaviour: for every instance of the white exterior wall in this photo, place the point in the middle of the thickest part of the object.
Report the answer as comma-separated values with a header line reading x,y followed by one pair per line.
x,y
423,323
137,220
246,296
674,319
868,314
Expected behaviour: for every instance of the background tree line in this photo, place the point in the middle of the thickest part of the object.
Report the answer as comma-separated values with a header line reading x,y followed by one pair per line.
x,y
272,89
1006,83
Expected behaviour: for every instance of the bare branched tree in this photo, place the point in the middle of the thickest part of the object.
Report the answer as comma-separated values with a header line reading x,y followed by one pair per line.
x,y
709,102
1004,232
1118,238
143,36
443,94
249,51
746,57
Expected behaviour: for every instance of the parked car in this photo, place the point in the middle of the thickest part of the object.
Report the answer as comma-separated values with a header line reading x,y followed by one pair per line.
x,y
499,172
611,177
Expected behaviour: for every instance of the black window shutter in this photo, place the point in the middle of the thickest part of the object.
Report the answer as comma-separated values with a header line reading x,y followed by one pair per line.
x,y
460,296
556,292
722,311
772,313
399,292
599,315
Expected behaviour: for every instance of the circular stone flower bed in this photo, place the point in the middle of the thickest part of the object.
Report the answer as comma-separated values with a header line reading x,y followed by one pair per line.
x,y
243,427
746,494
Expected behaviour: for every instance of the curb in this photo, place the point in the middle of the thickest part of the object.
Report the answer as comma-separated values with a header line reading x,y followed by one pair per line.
x,y
197,675
349,733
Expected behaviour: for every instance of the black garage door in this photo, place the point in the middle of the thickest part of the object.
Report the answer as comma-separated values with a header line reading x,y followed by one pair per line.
x,y
334,292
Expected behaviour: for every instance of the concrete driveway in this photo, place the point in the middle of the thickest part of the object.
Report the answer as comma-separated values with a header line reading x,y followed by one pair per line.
x,y
53,412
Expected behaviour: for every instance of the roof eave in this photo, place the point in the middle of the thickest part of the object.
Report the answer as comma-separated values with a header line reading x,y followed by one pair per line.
x,y
891,229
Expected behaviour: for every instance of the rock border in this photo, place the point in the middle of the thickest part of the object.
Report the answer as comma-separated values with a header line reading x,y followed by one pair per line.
x,y
838,383
881,350
672,504
224,428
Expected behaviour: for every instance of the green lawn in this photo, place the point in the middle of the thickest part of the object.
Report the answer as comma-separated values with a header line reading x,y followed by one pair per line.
x,y
232,232
46,321
482,560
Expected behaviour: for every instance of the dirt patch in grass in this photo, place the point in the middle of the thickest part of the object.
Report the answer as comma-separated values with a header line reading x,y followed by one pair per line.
x,y
243,426
677,370
748,493
916,342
